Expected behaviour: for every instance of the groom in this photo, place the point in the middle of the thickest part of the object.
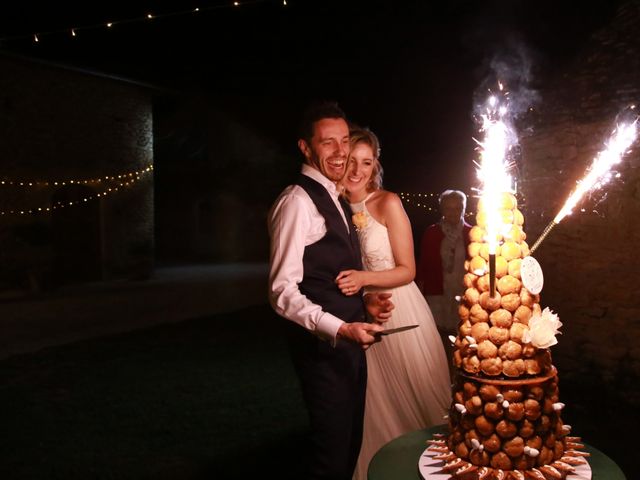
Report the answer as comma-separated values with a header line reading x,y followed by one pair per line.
x,y
312,240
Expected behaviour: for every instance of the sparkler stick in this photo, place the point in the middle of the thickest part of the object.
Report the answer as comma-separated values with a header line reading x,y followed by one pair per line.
x,y
598,174
492,274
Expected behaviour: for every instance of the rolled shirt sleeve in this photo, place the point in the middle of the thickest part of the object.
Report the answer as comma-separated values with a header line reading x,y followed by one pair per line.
x,y
294,223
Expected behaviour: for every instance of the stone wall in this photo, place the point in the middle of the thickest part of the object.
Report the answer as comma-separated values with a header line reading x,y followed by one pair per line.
x,y
590,257
61,125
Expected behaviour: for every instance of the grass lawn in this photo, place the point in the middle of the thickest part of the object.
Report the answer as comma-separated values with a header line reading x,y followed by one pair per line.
x,y
210,398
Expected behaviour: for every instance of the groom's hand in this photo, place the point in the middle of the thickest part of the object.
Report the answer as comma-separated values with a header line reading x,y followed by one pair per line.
x,y
362,333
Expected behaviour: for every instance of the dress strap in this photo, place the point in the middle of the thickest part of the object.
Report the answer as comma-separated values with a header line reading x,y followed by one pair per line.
x,y
369,196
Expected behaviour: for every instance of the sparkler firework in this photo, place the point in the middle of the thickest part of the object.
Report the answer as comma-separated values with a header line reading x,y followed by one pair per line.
x,y
598,174
493,169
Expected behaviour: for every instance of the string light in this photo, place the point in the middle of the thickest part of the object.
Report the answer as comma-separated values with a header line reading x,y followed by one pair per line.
x,y
425,200
149,16
131,179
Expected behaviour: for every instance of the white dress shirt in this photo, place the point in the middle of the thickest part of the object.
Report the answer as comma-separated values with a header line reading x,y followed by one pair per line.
x,y
294,223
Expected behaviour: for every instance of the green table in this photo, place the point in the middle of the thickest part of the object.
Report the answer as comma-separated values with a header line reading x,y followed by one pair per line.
x,y
398,459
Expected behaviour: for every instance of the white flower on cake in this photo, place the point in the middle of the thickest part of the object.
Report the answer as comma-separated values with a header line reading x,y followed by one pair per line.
x,y
543,329
360,220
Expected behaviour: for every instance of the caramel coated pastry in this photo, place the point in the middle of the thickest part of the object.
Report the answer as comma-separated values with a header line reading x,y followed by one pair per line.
x,y
491,366
484,250
507,201
469,389
480,331
531,366
488,393
465,328
471,296
510,302
558,450
532,409
527,429
484,426
522,314
473,250
471,435
536,392
469,280
513,368
486,349
479,458
527,298
550,440
528,351
477,234
542,356
514,447
512,394
484,283
543,425
501,318
502,461
457,358
492,443
488,302
523,462
534,442
478,265
463,312
506,429
493,410
466,265
524,248
506,215
517,331
498,335
536,309
462,451
515,234
510,250
458,397
518,218
547,406
545,457
510,350
514,412
478,314
502,266
471,364
513,268
508,284
467,422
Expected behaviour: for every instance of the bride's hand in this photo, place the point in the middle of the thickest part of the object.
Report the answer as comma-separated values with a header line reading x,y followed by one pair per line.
x,y
350,281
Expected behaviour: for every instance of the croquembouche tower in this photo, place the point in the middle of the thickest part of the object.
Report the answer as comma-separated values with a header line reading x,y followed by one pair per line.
x,y
505,415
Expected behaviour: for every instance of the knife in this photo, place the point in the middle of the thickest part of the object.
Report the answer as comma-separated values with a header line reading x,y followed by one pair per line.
x,y
389,331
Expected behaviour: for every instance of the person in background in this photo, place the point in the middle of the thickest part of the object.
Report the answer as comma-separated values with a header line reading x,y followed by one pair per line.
x,y
408,387
443,251
312,240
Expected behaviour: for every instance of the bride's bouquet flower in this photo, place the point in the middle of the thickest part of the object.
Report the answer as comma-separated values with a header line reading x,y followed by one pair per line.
x,y
543,329
360,220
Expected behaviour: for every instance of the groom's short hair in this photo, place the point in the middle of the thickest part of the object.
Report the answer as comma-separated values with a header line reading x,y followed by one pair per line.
x,y
315,111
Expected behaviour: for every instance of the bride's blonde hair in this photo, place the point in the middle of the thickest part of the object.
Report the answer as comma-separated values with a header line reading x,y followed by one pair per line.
x,y
364,135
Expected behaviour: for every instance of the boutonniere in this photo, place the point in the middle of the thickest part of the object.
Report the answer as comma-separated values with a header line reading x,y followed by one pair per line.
x,y
360,220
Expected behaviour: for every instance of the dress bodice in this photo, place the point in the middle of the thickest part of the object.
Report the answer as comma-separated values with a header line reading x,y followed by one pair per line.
x,y
374,240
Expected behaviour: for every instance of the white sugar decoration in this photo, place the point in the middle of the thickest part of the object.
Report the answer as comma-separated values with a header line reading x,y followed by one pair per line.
x,y
461,408
558,406
532,452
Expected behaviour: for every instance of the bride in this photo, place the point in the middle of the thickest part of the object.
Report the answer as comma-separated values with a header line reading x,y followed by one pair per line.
x,y
408,384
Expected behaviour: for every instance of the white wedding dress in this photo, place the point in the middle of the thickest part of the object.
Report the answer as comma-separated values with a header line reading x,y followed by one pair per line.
x,y
408,385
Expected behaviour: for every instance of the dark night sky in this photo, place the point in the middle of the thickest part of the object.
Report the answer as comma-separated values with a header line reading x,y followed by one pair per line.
x,y
408,69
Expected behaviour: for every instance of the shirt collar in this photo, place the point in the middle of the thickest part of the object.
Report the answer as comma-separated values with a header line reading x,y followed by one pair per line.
x,y
316,175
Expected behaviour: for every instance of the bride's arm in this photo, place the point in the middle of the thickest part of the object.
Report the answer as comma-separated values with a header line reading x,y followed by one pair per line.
x,y
395,218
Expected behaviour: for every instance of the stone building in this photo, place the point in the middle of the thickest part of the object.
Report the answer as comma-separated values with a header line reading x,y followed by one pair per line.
x,y
589,259
76,192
